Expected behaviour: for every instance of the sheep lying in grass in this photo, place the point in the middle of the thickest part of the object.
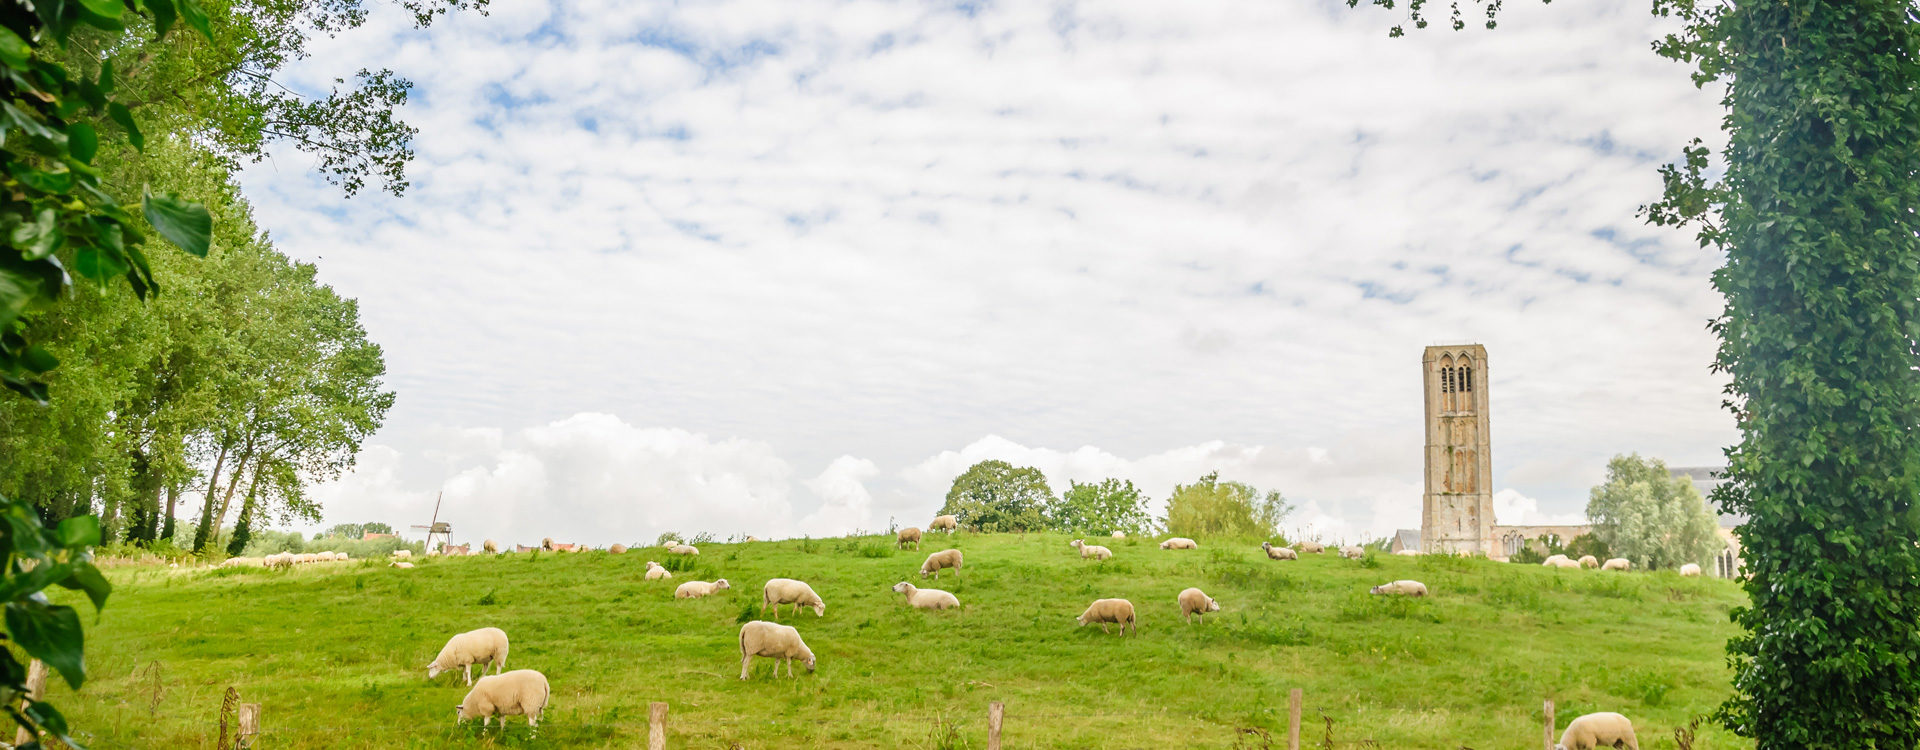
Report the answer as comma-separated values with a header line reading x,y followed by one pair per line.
x,y
1196,602
1552,560
774,641
946,558
1589,561
920,598
1094,551
947,524
1353,552
1119,535
1400,588
521,692
685,549
1179,542
1605,729
1106,611
618,549
697,589
1618,563
908,535
1311,548
401,565
1690,570
1563,562
752,538
655,572
402,554
780,591
1408,553
486,646
1278,553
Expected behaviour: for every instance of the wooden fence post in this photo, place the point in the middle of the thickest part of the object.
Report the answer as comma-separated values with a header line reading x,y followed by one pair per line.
x,y
249,725
657,726
1549,731
1293,719
996,712
36,686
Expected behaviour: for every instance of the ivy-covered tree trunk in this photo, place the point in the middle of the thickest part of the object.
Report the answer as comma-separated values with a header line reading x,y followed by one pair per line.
x,y
166,519
1821,282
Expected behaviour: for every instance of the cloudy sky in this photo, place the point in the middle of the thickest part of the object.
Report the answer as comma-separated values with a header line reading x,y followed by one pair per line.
x,y
781,267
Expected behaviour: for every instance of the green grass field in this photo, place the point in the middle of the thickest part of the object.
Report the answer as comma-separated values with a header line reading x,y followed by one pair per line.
x,y
336,653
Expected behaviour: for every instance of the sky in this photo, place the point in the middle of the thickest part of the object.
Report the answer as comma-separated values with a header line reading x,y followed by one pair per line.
x,y
781,267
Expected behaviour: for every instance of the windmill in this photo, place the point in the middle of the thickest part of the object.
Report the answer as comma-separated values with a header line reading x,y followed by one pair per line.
x,y
437,527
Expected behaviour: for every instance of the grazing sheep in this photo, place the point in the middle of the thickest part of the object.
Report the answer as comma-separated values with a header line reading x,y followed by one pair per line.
x,y
244,562
521,692
920,598
1550,561
1618,563
655,572
780,591
618,549
752,538
774,641
1179,542
1119,535
1278,553
490,546
697,589
1353,552
1196,602
524,548
402,554
1589,561
1105,611
341,556
483,647
1400,588
1690,570
669,543
908,535
401,565
1605,729
1408,553
1094,551
278,560
684,549
946,558
1311,548
1563,562
947,524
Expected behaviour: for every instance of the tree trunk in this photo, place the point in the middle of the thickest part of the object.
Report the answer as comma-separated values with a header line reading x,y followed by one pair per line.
x,y
201,534
243,528
166,521
239,470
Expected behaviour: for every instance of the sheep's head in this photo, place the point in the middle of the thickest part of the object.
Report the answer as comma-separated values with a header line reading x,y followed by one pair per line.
x,y
1076,543
1213,605
722,584
809,662
434,669
902,587
1266,545
1376,590
1164,545
820,609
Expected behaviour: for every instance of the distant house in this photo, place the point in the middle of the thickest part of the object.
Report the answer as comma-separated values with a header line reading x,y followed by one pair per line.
x,y
371,535
1405,539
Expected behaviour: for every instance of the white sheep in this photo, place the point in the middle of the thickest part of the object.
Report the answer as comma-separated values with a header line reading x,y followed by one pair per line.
x,y
492,547
1119,535
1278,553
1618,563
780,591
248,562
401,565
1605,729
655,572
1400,588
617,549
1690,570
1589,561
946,558
697,589
1105,611
920,598
1552,560
521,692
1311,548
1408,553
341,556
1179,542
752,538
684,549
1094,551
402,554
1563,562
774,641
947,523
1196,602
908,535
486,646
1353,552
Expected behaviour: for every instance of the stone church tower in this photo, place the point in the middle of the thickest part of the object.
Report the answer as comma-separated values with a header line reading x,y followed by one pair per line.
x,y
1457,512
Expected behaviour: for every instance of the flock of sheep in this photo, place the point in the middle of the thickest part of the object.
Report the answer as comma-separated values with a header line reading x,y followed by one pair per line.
x,y
524,692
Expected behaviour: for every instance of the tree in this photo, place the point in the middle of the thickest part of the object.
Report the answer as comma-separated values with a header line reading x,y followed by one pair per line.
x,y
997,496
1210,507
1110,505
1647,515
1813,208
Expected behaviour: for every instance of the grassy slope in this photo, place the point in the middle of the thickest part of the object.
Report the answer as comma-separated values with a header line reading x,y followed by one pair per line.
x,y
336,654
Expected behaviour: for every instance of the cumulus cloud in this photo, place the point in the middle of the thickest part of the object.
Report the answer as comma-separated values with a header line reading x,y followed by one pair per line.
x,y
885,229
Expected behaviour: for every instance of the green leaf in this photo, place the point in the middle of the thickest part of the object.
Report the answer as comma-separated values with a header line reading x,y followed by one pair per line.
x,y
183,223
14,51
50,633
105,83
196,17
163,16
82,142
46,182
102,14
79,531
118,113
88,578
37,360
41,237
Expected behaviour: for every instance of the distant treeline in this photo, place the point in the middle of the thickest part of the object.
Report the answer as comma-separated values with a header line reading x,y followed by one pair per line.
x,y
998,496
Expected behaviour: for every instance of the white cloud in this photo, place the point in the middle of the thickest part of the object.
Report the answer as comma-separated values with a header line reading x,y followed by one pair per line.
x,y
1515,509
882,230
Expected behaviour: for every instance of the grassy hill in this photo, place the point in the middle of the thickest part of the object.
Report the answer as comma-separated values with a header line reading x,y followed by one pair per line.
x,y
336,653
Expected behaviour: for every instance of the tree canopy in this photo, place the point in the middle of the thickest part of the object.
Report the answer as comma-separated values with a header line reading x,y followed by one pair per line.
x,y
994,495
1647,515
1210,507
1102,507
